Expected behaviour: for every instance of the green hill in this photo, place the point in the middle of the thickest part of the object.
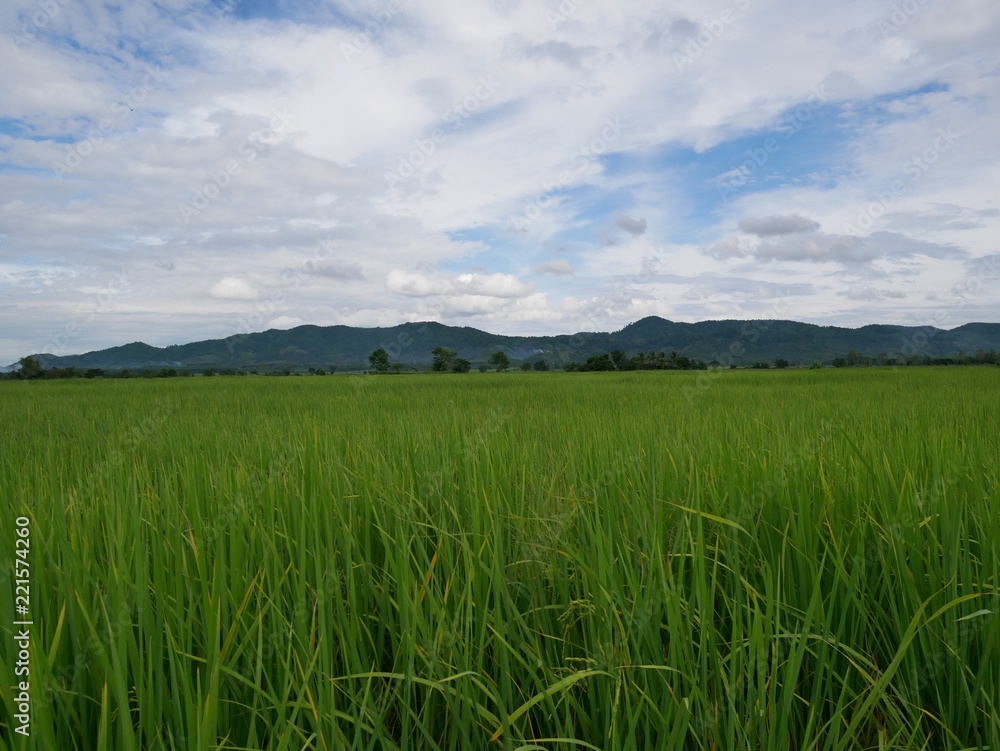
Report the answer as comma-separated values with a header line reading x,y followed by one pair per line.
x,y
348,347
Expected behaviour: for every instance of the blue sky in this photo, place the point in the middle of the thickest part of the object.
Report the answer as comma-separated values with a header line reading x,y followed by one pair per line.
x,y
189,169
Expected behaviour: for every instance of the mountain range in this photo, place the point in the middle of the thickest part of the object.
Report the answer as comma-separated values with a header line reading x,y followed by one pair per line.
x,y
728,341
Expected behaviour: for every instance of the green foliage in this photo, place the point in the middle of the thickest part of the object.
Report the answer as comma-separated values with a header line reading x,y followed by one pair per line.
x,y
444,359
781,363
379,360
30,369
541,365
525,365
500,361
795,560
461,366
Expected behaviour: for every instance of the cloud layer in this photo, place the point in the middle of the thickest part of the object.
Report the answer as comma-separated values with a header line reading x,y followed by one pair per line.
x,y
184,169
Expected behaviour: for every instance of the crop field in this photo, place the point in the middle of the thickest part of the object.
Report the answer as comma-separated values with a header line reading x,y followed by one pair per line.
x,y
652,560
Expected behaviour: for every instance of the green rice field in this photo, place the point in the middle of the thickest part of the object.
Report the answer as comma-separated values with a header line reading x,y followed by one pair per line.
x,y
802,559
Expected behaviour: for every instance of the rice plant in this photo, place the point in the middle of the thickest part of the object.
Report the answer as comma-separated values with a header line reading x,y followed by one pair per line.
x,y
760,560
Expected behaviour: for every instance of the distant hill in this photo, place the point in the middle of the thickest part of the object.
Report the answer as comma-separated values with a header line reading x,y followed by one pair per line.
x,y
348,347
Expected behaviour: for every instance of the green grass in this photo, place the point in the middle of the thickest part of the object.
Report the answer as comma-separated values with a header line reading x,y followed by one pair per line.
x,y
755,560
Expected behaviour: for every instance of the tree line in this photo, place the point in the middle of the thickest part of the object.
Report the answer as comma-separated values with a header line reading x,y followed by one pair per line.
x,y
446,360
855,359
641,360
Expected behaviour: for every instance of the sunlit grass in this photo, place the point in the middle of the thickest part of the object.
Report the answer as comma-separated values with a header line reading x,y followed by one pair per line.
x,y
786,560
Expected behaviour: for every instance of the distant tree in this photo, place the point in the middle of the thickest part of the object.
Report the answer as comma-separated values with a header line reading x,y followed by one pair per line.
x,y
599,362
761,365
856,359
816,365
714,364
208,373
541,365
320,371
618,358
483,367
500,361
444,358
30,369
781,362
379,360
461,365
839,362
525,365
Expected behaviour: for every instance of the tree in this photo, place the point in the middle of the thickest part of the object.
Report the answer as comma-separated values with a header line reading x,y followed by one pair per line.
x,y
856,359
599,362
781,362
30,369
379,360
541,365
461,365
525,365
500,361
444,359
483,367
618,358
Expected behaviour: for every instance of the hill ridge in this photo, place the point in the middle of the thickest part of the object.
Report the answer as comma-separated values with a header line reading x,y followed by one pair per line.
x,y
411,342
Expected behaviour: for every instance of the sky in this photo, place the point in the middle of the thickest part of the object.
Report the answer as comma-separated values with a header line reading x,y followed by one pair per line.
x,y
181,170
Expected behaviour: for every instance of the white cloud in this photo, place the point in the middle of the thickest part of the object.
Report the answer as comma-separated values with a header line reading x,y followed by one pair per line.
x,y
231,288
285,322
401,282
494,285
